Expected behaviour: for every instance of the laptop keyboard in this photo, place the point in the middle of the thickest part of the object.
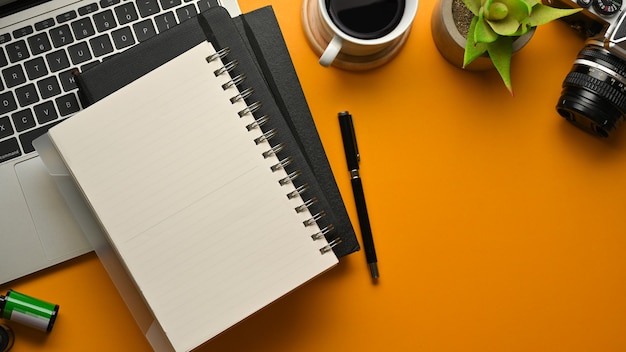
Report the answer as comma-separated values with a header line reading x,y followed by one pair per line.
x,y
38,62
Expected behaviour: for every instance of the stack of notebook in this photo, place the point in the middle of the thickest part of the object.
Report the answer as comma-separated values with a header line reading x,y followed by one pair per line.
x,y
199,177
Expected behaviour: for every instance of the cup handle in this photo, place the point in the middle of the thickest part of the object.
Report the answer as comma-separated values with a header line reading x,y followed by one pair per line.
x,y
329,55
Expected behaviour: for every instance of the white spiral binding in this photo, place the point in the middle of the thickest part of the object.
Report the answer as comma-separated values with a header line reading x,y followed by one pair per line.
x,y
243,95
265,137
282,164
258,122
298,191
329,247
322,233
312,221
226,68
235,81
219,54
305,206
289,179
251,109
274,150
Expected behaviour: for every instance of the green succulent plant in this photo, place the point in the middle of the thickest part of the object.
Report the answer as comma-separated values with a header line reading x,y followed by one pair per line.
x,y
497,23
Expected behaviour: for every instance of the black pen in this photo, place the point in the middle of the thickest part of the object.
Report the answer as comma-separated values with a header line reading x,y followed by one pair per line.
x,y
353,158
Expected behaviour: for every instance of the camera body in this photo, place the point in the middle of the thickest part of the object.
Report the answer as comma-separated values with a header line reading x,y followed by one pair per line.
x,y
594,91
603,19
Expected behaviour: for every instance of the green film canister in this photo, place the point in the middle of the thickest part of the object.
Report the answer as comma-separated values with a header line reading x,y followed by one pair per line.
x,y
27,310
6,338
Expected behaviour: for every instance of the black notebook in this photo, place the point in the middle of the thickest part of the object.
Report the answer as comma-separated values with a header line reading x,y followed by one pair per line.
x,y
261,35
200,188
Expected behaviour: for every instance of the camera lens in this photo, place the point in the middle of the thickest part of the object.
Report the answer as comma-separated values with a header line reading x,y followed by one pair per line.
x,y
594,92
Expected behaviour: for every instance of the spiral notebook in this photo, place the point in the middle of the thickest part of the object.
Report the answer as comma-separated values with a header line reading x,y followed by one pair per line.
x,y
262,35
213,211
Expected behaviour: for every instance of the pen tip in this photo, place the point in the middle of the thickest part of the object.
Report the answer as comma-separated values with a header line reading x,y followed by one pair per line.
x,y
374,271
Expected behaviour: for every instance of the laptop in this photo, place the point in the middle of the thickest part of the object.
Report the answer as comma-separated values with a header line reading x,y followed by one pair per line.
x,y
41,44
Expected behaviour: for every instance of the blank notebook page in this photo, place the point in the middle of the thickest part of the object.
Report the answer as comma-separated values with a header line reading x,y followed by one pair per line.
x,y
188,201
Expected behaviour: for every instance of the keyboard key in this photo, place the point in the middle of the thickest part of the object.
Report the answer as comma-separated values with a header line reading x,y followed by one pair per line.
x,y
3,59
68,16
27,95
61,36
168,4
101,45
23,120
9,149
14,76
83,28
79,53
35,68
49,87
57,60
68,80
17,51
185,13
126,13
39,43
5,38
107,3
22,32
88,9
67,104
123,38
6,129
144,30
45,112
47,23
104,20
148,7
26,139
165,21
204,5
7,103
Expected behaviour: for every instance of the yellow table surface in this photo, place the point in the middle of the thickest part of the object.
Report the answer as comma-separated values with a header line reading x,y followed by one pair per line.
x,y
498,225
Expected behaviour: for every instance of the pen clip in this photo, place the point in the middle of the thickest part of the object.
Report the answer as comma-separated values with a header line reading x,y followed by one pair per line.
x,y
356,145
350,145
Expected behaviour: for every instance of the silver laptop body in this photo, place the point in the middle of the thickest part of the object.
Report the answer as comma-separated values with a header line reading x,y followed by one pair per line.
x,y
40,46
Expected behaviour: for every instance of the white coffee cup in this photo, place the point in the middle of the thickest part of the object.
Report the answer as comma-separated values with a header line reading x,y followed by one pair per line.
x,y
351,46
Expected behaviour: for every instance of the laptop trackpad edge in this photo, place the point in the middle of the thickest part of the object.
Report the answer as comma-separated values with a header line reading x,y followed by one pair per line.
x,y
57,229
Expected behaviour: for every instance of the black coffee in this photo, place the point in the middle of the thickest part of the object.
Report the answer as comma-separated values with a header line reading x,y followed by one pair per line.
x,y
366,19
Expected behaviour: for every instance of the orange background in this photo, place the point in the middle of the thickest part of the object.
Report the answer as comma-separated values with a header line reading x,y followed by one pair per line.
x,y
498,226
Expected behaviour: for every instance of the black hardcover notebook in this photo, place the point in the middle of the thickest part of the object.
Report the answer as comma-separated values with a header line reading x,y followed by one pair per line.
x,y
264,46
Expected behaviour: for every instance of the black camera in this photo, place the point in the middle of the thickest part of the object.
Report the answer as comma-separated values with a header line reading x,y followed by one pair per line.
x,y
594,91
